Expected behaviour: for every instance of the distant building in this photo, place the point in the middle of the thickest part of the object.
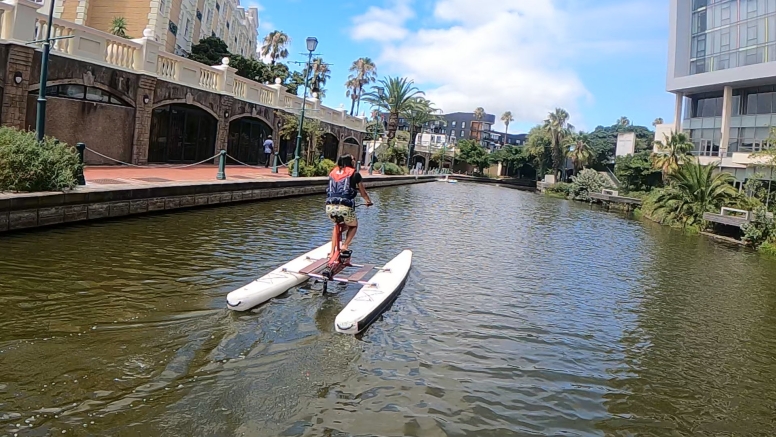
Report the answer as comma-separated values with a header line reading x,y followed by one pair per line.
x,y
458,125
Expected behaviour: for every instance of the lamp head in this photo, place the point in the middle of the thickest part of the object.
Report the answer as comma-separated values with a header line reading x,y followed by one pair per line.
x,y
312,43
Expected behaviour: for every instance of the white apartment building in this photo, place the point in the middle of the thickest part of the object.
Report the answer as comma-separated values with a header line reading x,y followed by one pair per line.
x,y
721,68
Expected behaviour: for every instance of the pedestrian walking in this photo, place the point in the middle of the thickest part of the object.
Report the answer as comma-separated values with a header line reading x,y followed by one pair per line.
x,y
269,147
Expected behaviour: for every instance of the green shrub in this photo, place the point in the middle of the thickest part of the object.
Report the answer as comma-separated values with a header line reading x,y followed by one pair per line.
x,y
27,165
390,168
324,167
768,248
560,188
305,170
760,229
587,182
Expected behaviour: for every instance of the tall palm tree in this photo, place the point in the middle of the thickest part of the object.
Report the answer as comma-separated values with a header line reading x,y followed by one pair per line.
x,y
399,94
506,118
118,27
352,92
275,46
674,151
320,74
558,127
580,153
657,121
623,121
479,113
363,72
695,190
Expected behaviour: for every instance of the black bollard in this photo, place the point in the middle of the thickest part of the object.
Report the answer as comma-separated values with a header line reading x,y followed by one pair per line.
x,y
81,147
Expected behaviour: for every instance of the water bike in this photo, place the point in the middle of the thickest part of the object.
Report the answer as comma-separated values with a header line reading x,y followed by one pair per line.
x,y
326,265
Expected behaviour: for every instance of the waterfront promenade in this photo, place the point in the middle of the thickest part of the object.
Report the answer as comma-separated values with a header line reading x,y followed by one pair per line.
x,y
112,192
145,175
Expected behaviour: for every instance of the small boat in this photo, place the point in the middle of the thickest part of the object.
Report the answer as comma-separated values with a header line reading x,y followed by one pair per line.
x,y
375,297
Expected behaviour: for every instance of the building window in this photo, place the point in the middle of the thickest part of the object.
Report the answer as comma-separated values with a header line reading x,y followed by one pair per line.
x,y
187,29
173,28
81,92
218,7
462,134
162,5
199,15
463,125
453,124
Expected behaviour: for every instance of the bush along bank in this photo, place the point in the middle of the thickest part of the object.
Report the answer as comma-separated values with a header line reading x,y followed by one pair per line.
x,y
27,165
686,191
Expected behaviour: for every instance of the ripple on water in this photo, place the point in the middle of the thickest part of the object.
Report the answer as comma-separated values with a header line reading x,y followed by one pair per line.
x,y
522,315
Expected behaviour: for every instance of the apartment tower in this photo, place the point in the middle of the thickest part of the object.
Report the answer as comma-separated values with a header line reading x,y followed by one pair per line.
x,y
721,69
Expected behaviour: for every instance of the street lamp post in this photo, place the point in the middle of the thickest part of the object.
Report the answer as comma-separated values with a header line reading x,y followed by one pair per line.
x,y
312,43
40,120
380,94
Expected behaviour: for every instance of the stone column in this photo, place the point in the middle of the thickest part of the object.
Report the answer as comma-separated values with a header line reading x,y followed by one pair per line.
x,y
678,112
15,95
727,110
143,116
222,134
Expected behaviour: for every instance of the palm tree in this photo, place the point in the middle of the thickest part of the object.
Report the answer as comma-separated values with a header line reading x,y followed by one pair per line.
x,y
580,153
320,74
275,46
695,190
399,94
352,87
118,27
673,152
479,113
558,127
364,72
623,121
506,118
657,121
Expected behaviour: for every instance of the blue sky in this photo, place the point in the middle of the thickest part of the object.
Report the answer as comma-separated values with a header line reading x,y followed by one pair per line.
x,y
599,59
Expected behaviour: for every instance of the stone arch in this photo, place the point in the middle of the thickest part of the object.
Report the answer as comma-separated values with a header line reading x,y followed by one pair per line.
x,y
329,146
352,147
249,115
246,137
419,158
34,89
184,102
182,132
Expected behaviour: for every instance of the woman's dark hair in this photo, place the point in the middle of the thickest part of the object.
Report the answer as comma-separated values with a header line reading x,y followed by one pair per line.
x,y
345,161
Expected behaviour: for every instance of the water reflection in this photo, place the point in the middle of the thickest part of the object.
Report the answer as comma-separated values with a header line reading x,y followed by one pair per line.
x,y
522,315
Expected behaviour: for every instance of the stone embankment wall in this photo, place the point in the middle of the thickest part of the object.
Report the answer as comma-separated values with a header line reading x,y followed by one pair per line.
x,y
25,211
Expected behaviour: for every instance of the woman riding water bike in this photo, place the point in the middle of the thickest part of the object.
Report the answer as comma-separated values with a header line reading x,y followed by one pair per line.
x,y
341,206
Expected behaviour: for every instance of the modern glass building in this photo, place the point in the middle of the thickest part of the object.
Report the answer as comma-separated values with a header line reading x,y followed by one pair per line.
x,y
722,69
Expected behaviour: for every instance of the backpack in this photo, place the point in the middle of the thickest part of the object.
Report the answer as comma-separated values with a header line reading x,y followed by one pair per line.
x,y
340,190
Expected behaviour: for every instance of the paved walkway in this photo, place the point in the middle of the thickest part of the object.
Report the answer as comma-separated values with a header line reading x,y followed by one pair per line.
x,y
154,175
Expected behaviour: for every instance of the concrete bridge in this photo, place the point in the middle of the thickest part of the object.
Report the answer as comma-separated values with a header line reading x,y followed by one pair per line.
x,y
132,102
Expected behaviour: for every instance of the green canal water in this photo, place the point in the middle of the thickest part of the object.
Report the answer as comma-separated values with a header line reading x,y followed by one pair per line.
x,y
522,315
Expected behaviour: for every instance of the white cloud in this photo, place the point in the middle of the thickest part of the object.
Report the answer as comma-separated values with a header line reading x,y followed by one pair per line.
x,y
383,24
515,55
